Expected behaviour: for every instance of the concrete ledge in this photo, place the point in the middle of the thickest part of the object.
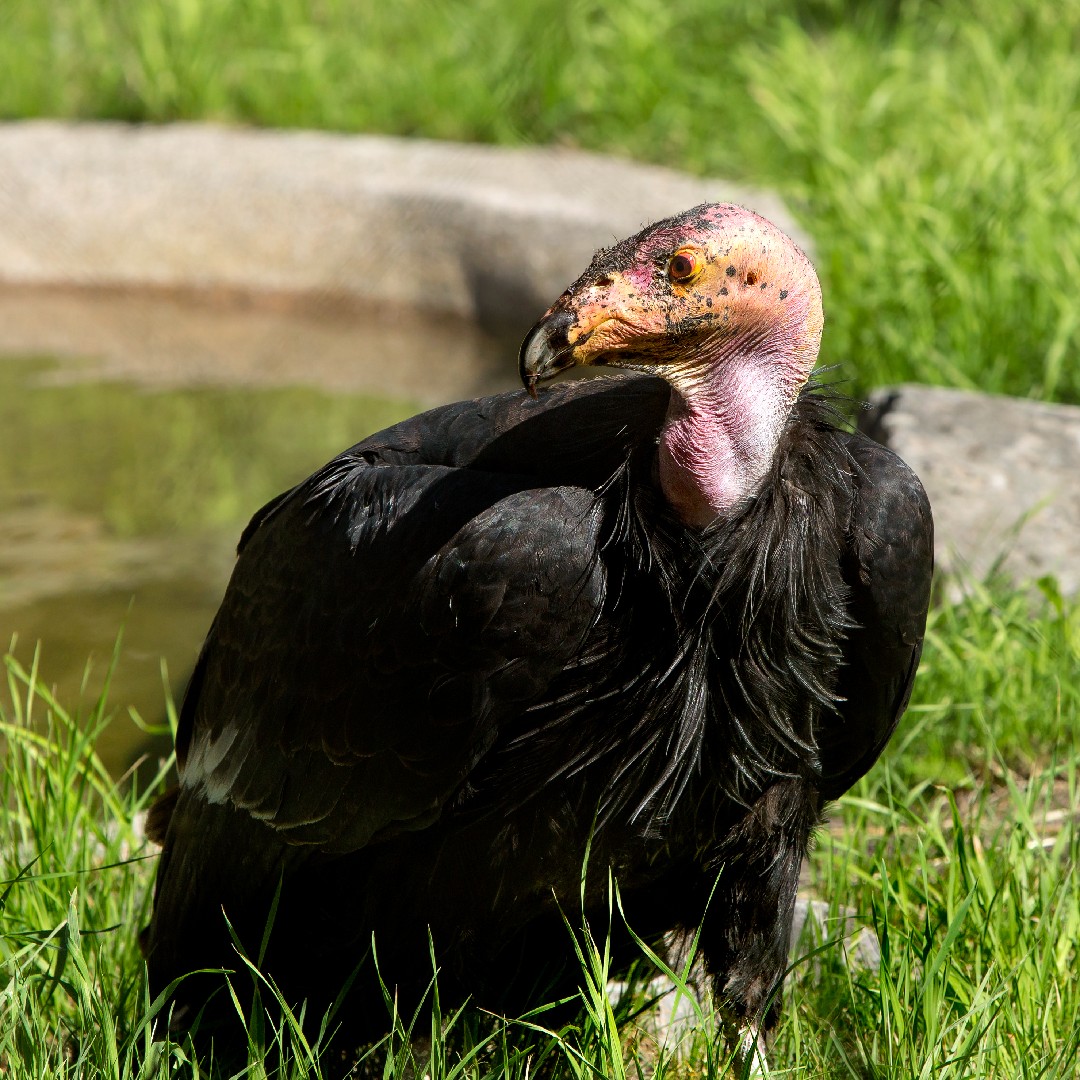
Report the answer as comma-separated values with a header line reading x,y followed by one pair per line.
x,y
488,233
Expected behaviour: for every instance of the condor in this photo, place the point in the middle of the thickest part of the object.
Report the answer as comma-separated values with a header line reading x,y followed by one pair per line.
x,y
664,614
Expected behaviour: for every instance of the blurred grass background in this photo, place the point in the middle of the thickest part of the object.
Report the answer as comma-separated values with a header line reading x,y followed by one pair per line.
x,y
930,147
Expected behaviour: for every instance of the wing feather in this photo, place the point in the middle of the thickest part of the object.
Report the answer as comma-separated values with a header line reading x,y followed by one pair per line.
x,y
372,639
888,568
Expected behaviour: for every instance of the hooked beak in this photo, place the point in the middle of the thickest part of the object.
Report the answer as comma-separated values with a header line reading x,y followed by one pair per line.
x,y
547,349
592,323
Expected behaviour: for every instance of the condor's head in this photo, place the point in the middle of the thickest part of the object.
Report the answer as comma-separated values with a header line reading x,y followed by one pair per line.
x,y
722,305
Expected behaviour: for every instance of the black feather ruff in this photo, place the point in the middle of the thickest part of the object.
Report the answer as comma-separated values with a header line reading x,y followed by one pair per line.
x,y
744,623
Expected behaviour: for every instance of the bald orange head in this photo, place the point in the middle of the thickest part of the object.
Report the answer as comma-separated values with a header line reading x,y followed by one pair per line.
x,y
723,306
682,296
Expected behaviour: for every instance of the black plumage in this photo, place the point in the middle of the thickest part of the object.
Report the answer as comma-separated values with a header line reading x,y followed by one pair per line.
x,y
485,638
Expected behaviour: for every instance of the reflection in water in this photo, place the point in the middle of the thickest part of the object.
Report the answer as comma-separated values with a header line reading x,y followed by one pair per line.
x,y
162,622
151,463
121,501
119,508
162,339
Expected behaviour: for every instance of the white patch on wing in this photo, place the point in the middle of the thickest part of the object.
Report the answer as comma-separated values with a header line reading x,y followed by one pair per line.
x,y
203,771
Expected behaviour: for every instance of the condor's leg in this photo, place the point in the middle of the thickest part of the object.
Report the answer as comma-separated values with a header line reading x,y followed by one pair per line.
x,y
746,932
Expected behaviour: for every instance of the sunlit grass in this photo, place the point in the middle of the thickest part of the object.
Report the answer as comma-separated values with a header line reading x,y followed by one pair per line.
x,y
976,908
999,682
959,849
74,872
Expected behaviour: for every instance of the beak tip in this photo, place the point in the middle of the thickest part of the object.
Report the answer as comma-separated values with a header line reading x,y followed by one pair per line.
x,y
546,350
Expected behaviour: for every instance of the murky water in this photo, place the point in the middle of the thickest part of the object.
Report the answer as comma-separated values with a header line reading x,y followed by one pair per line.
x,y
138,435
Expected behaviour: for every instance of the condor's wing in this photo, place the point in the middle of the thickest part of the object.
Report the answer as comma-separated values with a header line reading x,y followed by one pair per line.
x,y
388,614
890,561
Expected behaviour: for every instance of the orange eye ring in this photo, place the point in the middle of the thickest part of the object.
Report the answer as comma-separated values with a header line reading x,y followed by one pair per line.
x,y
683,267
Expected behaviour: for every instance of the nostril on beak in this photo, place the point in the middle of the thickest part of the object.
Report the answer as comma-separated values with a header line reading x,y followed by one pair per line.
x,y
557,328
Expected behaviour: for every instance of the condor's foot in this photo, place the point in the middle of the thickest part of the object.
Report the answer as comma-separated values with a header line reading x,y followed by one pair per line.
x,y
747,1045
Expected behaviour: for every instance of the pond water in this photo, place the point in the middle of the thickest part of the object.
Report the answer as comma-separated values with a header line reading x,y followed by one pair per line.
x,y
138,435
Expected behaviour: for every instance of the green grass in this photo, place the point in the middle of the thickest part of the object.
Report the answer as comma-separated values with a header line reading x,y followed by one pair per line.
x,y
999,683
930,147
960,848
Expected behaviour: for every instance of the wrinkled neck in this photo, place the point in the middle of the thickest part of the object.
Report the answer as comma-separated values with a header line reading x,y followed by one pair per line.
x,y
721,434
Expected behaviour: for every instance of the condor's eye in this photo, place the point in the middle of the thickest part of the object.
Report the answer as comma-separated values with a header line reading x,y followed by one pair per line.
x,y
683,267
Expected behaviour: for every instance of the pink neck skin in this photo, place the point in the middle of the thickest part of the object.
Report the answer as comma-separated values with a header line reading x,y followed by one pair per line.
x,y
722,430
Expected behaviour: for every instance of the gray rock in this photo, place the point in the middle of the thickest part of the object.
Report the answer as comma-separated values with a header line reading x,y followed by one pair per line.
x,y
1003,476
815,924
489,233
